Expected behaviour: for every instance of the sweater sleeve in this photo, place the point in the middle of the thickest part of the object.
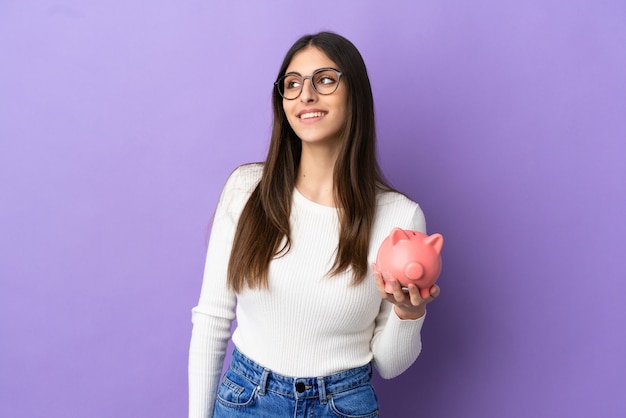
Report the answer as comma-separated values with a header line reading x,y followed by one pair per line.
x,y
397,343
212,317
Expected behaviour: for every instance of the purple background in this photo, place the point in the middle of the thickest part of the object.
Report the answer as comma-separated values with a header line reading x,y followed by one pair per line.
x,y
120,121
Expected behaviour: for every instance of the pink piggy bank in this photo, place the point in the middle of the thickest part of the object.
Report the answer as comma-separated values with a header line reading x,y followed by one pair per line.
x,y
410,257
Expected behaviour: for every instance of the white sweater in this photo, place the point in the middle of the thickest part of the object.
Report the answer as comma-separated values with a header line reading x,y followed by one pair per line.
x,y
307,324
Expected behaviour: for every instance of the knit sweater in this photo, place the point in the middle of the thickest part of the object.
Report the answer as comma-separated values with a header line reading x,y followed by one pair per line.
x,y
307,324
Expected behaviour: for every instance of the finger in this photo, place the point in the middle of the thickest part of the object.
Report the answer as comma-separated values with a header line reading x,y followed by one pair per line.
x,y
389,282
381,287
396,287
434,291
376,274
380,284
415,295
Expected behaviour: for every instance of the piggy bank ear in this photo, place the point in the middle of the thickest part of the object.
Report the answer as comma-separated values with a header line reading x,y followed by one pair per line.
x,y
435,241
398,235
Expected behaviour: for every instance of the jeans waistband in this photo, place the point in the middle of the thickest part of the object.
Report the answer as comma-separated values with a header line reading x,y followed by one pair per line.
x,y
299,387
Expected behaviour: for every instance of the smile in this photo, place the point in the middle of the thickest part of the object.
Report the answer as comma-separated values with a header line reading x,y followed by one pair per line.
x,y
312,115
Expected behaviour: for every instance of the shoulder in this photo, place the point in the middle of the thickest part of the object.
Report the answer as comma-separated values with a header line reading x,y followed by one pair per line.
x,y
239,186
397,209
245,177
395,201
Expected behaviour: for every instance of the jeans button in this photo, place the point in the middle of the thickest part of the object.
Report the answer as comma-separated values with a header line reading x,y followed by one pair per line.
x,y
300,387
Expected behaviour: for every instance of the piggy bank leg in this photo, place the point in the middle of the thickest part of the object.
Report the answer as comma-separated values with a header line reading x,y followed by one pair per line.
x,y
425,292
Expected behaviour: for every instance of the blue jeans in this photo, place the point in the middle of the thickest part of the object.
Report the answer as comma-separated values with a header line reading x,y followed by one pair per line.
x,y
250,390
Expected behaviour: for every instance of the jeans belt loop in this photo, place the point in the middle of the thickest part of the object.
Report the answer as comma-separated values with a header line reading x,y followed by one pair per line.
x,y
321,387
263,383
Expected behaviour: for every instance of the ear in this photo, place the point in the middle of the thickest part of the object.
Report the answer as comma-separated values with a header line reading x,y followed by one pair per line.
x,y
398,235
435,241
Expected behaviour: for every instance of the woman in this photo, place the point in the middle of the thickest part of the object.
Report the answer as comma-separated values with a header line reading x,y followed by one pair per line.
x,y
290,249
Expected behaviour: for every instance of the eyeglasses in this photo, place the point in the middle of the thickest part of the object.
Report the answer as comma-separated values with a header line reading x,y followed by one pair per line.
x,y
324,81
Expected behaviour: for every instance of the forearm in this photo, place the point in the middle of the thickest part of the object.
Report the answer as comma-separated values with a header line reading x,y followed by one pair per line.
x,y
397,343
206,356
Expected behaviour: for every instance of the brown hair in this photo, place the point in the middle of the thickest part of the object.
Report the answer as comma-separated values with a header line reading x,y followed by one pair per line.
x,y
264,222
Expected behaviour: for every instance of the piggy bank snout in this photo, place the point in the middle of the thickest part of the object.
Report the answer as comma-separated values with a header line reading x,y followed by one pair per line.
x,y
414,270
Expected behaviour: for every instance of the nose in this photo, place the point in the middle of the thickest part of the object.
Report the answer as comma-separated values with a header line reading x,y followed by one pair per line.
x,y
308,95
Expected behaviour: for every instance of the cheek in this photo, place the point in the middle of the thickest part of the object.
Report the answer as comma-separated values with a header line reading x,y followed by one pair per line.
x,y
342,116
342,105
288,113
291,120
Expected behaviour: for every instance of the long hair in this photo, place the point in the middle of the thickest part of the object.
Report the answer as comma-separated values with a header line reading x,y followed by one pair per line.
x,y
263,231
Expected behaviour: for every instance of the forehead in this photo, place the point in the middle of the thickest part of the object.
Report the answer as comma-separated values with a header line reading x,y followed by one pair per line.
x,y
308,60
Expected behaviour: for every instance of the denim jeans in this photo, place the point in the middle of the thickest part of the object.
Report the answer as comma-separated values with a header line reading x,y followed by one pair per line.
x,y
250,390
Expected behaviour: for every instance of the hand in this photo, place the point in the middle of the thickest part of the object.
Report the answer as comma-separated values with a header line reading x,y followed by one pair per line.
x,y
410,303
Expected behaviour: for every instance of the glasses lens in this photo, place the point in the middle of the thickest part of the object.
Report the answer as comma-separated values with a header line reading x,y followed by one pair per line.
x,y
290,86
326,81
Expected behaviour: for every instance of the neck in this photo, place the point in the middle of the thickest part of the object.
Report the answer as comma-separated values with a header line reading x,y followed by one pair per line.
x,y
315,174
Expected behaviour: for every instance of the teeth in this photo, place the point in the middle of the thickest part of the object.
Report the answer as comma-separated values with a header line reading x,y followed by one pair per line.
x,y
312,115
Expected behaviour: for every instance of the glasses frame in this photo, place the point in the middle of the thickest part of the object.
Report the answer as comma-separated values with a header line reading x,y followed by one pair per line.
x,y
310,78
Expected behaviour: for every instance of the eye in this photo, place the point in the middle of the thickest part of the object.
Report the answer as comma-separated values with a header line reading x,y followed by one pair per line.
x,y
326,78
292,82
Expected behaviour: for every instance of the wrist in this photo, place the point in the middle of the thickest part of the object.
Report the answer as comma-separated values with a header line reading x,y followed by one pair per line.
x,y
410,315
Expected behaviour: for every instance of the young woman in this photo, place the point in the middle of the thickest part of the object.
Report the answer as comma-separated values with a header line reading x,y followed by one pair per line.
x,y
291,252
